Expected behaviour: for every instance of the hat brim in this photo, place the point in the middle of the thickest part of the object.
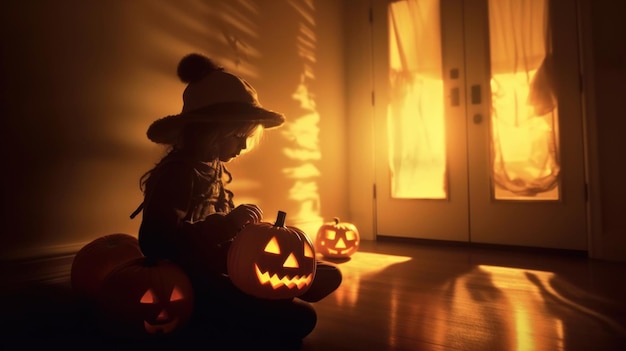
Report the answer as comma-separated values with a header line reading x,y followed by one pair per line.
x,y
167,129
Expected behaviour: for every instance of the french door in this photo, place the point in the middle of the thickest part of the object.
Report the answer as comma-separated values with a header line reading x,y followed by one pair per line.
x,y
478,122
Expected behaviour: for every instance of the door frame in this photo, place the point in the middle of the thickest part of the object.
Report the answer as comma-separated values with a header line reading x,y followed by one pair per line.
x,y
591,148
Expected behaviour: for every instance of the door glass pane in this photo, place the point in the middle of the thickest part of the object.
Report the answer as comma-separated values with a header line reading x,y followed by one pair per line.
x,y
524,123
415,115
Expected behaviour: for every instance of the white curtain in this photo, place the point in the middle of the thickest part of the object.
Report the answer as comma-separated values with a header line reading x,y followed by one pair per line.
x,y
525,145
524,123
415,116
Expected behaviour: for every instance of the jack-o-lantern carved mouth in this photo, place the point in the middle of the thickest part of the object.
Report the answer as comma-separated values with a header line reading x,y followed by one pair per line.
x,y
341,252
163,327
276,281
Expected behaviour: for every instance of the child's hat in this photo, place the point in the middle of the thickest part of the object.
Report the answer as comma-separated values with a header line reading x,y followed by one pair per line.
x,y
212,95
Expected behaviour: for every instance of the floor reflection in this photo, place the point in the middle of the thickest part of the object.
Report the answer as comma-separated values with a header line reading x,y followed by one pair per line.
x,y
441,303
358,265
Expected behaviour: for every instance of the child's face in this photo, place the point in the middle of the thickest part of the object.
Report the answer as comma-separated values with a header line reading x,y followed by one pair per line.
x,y
232,146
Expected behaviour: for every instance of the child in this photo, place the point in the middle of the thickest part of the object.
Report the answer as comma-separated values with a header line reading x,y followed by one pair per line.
x,y
189,216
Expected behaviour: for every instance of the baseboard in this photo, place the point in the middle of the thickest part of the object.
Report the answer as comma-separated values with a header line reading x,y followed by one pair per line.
x,y
51,268
527,249
41,252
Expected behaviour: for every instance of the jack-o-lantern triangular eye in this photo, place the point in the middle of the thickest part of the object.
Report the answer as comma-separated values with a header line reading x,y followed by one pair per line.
x,y
308,251
148,297
176,294
272,246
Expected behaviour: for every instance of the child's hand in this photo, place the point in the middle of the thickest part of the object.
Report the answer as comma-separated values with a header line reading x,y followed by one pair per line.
x,y
245,214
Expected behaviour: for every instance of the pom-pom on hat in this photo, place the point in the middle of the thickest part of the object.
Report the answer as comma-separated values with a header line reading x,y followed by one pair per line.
x,y
212,95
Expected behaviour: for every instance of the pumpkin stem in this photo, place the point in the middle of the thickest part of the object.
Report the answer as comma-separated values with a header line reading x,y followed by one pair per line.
x,y
336,219
280,219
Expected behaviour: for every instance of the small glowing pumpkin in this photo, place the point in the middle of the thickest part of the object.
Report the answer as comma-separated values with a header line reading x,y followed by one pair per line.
x,y
272,261
145,297
97,258
337,239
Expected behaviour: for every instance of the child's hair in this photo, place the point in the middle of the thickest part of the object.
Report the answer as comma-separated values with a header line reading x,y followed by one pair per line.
x,y
203,133
195,134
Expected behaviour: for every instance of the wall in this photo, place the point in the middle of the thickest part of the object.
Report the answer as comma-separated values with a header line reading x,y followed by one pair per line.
x,y
604,66
83,80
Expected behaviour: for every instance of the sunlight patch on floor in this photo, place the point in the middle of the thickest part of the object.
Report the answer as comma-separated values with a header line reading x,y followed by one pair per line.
x,y
359,265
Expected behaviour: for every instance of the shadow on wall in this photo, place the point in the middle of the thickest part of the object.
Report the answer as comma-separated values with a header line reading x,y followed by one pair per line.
x,y
83,82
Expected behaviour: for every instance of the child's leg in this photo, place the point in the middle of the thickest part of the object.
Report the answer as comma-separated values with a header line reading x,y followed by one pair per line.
x,y
327,279
254,318
272,322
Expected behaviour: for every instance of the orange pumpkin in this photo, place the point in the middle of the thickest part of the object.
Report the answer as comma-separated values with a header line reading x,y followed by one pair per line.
x,y
337,239
145,297
97,258
272,261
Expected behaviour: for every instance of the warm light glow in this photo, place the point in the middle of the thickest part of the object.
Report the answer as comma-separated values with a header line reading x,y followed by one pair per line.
x,y
164,326
291,262
343,252
330,234
288,267
512,281
162,315
361,264
524,114
177,294
340,244
272,246
303,130
148,297
393,317
163,323
347,294
336,240
519,295
308,251
349,236
415,114
525,145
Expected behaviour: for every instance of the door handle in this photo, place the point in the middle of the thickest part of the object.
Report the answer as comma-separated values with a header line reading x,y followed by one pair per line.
x,y
478,118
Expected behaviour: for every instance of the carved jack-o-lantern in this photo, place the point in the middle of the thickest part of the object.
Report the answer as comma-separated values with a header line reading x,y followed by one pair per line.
x,y
337,239
145,297
272,261
94,261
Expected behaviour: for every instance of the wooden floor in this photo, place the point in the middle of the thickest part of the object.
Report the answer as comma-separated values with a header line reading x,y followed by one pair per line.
x,y
394,296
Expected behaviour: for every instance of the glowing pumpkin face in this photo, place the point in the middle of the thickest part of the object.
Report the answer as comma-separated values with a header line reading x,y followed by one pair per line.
x,y
163,322
337,239
272,261
145,297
